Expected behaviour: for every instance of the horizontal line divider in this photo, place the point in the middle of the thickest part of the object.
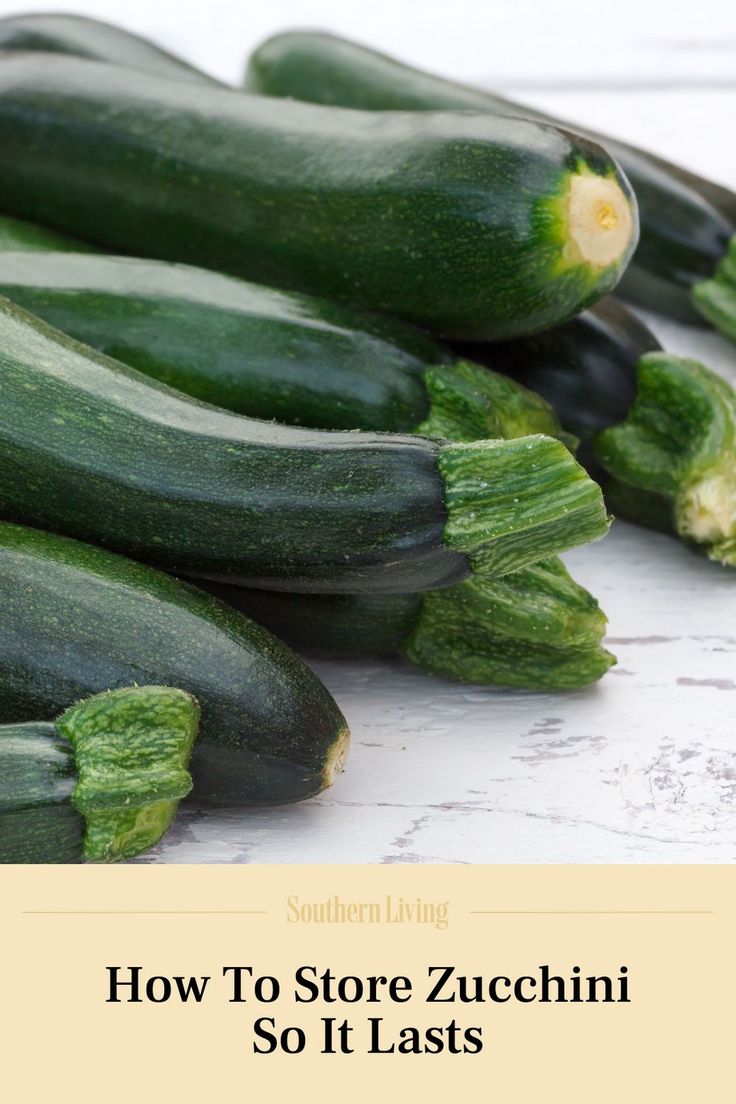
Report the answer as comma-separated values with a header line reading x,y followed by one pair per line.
x,y
592,912
145,912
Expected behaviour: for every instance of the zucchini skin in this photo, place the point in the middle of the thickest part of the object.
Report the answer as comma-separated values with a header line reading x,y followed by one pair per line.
x,y
38,822
586,369
389,213
78,620
28,237
267,353
94,449
245,347
686,222
94,40
333,625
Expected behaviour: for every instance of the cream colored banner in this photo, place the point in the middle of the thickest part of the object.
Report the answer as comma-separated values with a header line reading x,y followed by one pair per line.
x,y
281,959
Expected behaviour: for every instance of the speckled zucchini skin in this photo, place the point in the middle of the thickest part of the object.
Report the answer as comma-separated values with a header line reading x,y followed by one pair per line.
x,y
92,448
38,822
269,354
686,222
77,620
248,348
454,222
52,32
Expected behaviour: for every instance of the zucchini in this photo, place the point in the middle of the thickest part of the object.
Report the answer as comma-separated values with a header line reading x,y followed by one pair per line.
x,y
659,430
92,448
100,784
686,222
19,236
586,369
673,461
80,36
474,226
77,620
267,353
534,630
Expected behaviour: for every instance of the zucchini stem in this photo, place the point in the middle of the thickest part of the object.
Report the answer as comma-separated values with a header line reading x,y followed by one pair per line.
x,y
673,461
131,749
536,629
716,298
468,402
511,503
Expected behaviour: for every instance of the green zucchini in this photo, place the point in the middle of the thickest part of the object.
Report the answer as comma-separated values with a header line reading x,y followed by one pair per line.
x,y
267,353
586,369
92,448
19,236
474,226
77,620
658,430
80,36
536,629
686,222
100,784
673,461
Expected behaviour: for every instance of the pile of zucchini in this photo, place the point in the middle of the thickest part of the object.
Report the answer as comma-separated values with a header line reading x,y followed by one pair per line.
x,y
315,372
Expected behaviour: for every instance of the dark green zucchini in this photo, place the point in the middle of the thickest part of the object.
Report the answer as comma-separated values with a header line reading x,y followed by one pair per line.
x,y
80,36
475,226
686,222
270,354
92,448
536,629
586,369
28,237
657,429
77,620
102,783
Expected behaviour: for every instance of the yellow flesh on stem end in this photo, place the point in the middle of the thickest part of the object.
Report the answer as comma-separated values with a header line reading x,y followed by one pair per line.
x,y
337,756
600,222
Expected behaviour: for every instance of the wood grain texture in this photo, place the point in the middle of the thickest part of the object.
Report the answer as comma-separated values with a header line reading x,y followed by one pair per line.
x,y
641,768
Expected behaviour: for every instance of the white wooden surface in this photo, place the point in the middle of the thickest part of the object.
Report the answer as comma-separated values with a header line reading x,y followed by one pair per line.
x,y
641,768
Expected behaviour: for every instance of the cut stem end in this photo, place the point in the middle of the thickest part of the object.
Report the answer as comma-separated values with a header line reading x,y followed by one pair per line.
x,y
600,220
